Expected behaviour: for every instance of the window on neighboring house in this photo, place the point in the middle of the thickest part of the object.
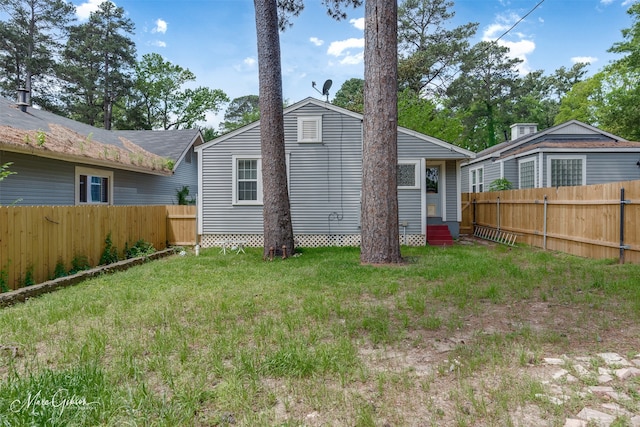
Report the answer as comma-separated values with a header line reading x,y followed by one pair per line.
x,y
93,186
566,171
408,174
247,182
476,179
527,173
310,129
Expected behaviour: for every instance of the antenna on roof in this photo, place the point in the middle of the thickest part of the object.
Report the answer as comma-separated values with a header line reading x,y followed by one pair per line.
x,y
325,88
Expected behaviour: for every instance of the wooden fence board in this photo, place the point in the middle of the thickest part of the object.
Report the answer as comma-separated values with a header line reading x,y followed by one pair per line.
x,y
583,220
38,237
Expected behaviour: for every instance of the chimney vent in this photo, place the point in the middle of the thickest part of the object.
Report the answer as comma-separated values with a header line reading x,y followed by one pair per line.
x,y
521,129
23,101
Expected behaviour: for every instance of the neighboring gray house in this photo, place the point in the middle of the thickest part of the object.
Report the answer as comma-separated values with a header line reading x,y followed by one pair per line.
x,y
572,153
323,145
59,161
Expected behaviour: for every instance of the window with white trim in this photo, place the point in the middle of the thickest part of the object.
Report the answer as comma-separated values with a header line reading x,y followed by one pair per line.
x,y
527,173
476,180
408,174
309,128
93,186
565,171
247,180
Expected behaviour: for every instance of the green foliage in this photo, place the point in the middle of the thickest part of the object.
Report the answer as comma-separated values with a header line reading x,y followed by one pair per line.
x,y
79,263
500,184
4,170
28,279
183,196
110,252
59,270
163,101
351,95
4,279
139,248
41,138
240,112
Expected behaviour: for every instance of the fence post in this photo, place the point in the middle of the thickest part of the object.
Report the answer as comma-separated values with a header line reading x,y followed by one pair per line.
x,y
498,215
473,220
544,225
622,245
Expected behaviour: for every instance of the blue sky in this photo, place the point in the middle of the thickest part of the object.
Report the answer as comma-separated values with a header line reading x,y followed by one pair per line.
x,y
215,39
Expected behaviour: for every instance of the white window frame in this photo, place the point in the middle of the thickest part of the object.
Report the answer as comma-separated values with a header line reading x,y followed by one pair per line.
x,y
583,158
91,172
535,175
416,174
317,120
234,175
473,172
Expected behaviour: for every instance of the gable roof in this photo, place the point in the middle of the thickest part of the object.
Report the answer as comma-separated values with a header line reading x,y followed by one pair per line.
x,y
328,106
42,133
564,135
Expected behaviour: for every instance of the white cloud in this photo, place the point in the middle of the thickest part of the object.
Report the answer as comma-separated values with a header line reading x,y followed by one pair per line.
x,y
343,49
584,59
339,47
519,48
316,41
83,10
248,64
158,43
606,2
161,26
357,23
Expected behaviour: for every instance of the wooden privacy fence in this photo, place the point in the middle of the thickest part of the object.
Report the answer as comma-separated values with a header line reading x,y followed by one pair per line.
x,y
594,221
36,238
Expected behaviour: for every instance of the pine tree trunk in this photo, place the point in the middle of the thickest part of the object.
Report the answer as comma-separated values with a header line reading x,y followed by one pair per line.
x,y
380,228
278,229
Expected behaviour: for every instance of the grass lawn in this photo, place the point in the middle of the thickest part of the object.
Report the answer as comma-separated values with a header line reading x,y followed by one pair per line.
x,y
455,336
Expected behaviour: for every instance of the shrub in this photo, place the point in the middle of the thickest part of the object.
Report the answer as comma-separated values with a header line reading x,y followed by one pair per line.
x,y
79,263
59,270
500,184
110,252
140,248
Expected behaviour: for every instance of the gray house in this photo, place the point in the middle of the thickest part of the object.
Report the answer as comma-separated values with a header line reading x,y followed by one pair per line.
x,y
572,153
58,161
323,145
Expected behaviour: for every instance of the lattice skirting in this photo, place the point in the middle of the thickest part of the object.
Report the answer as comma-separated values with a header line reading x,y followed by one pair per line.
x,y
305,240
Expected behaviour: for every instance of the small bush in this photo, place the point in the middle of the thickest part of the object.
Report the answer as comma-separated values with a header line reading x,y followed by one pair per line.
x,y
79,263
110,252
140,248
4,280
59,270
500,184
28,278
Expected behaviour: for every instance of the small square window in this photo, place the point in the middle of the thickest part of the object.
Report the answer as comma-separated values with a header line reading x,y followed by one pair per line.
x,y
408,177
247,183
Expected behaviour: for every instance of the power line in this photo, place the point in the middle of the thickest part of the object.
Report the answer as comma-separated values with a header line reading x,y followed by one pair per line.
x,y
520,20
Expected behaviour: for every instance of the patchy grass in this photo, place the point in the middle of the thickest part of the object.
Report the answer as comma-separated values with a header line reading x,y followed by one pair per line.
x,y
452,337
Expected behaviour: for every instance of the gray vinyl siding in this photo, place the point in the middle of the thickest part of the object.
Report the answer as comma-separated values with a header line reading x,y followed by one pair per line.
x,y
511,172
410,210
325,178
612,167
38,181
133,188
44,181
602,167
451,197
